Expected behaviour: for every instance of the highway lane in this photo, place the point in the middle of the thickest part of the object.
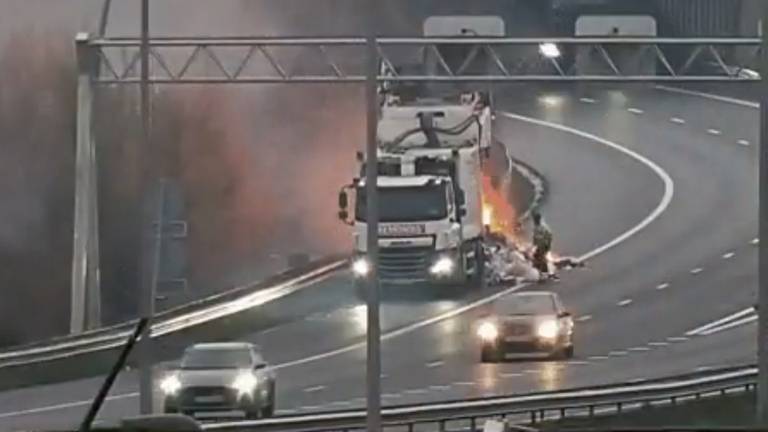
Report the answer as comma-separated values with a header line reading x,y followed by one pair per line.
x,y
445,366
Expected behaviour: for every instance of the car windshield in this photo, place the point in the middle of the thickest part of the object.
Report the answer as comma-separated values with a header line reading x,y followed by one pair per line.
x,y
216,359
407,204
527,305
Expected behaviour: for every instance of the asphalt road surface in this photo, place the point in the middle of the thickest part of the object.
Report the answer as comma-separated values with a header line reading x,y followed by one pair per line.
x,y
658,189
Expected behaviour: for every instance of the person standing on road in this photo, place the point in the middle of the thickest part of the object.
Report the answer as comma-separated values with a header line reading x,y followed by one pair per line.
x,y
542,244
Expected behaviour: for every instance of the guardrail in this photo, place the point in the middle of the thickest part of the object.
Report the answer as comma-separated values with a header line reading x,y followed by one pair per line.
x,y
530,408
175,319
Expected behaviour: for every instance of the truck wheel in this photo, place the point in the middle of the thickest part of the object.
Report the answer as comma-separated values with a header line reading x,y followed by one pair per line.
x,y
478,278
489,355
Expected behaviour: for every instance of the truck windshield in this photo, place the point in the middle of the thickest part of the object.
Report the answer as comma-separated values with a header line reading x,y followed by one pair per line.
x,y
407,204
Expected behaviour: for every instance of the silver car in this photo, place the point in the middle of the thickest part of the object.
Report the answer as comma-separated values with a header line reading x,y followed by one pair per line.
x,y
530,324
217,377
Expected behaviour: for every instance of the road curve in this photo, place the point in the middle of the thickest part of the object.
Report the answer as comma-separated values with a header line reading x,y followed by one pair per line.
x,y
634,303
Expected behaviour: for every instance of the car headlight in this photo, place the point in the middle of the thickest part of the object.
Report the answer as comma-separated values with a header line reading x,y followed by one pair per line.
x,y
442,266
245,383
170,385
360,267
547,329
488,331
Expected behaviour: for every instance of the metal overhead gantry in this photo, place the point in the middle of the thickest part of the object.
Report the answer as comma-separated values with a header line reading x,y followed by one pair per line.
x,y
210,60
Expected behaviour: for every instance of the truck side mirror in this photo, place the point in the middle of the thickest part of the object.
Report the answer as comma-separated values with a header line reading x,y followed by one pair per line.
x,y
343,200
461,199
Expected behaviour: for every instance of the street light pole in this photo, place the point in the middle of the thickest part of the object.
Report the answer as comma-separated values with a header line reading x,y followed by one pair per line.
x,y
146,299
373,351
762,279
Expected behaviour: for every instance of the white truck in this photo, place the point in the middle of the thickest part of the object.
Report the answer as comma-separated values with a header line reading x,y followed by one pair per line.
x,y
430,198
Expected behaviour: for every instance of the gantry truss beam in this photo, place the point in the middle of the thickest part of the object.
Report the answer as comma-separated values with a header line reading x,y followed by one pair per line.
x,y
326,60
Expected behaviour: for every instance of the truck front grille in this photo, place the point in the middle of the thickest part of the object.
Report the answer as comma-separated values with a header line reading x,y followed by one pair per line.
x,y
410,263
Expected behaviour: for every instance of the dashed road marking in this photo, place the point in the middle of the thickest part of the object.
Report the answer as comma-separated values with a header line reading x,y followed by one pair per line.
x,y
587,100
598,357
755,241
678,339
743,142
314,389
639,349
658,344
464,383
510,375
635,110
343,403
309,407
618,353
714,132
637,380
728,255
677,120
391,395
415,391
285,411
439,387
625,302
584,318
662,286
435,364
702,368
697,270
531,371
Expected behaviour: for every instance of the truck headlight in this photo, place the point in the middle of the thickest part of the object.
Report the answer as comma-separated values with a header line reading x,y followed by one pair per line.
x,y
488,331
245,383
547,329
360,267
170,385
443,266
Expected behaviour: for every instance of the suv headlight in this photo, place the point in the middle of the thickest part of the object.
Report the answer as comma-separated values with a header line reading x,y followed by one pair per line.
x,y
361,267
245,383
170,385
443,266
547,329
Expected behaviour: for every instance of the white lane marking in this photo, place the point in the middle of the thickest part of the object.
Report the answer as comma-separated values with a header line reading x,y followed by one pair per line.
x,y
625,302
531,371
435,364
702,368
637,380
314,389
658,344
464,383
662,286
743,142
697,270
587,100
415,391
755,241
677,339
510,375
309,407
343,403
669,188
286,411
584,318
732,317
635,110
714,132
598,357
669,185
577,362
639,349
741,322
718,98
391,395
65,405
439,387
728,255
618,353
677,120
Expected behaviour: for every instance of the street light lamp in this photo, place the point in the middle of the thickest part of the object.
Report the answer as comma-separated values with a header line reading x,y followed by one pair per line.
x,y
549,50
